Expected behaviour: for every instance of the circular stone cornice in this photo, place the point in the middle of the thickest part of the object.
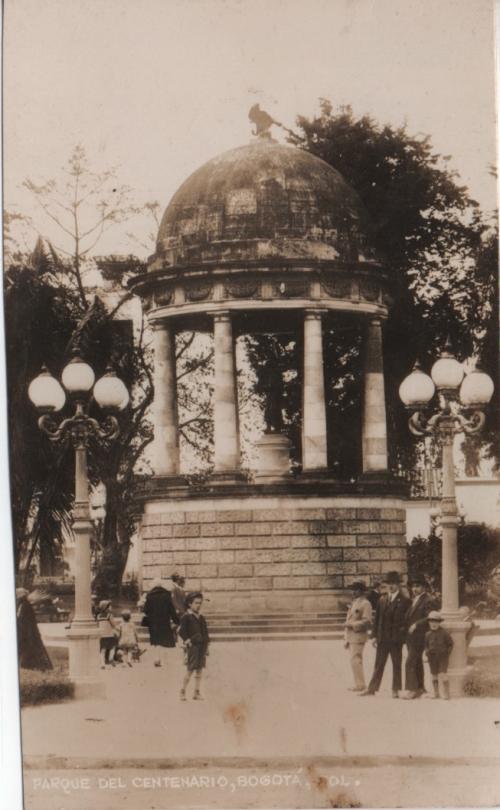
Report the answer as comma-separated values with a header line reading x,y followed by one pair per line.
x,y
358,288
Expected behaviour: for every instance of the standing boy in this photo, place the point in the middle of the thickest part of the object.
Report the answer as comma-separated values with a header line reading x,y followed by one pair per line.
x,y
438,646
194,632
358,622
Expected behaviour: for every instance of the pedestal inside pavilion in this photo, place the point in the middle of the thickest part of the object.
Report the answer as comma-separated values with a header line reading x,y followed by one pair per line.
x,y
259,235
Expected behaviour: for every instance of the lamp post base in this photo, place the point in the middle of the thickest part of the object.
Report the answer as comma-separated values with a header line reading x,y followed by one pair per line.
x,y
84,669
458,669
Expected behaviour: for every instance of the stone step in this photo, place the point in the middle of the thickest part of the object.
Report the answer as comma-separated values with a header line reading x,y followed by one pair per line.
x,y
280,637
277,636
273,628
264,617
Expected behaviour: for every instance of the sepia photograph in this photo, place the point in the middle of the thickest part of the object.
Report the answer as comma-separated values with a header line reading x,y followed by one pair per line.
x,y
252,406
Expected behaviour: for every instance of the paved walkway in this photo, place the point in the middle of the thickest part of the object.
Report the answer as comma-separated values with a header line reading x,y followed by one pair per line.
x,y
267,706
262,699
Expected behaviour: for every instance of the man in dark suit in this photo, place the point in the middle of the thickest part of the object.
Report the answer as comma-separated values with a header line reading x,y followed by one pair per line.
x,y
416,621
390,634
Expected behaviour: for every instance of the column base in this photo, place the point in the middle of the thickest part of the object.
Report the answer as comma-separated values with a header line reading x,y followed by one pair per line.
x,y
376,475
273,450
84,661
458,668
272,478
319,474
227,477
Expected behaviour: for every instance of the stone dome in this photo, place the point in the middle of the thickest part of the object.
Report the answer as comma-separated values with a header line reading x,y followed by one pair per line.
x,y
263,202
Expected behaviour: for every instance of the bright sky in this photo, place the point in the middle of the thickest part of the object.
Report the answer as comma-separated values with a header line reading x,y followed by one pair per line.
x,y
157,87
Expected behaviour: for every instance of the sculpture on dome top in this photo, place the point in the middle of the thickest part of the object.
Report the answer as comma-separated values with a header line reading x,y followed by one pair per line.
x,y
262,120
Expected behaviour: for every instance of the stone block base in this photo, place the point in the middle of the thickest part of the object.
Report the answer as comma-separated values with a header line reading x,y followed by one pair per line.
x,y
273,553
84,669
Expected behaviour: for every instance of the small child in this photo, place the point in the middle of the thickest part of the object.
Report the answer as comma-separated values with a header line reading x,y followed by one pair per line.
x,y
108,632
194,632
438,646
128,640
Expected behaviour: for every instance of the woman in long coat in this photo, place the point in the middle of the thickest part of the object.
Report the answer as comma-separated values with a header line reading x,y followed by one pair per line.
x,y
160,615
32,652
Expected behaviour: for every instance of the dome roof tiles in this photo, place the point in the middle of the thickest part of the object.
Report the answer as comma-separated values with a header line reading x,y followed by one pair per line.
x,y
263,200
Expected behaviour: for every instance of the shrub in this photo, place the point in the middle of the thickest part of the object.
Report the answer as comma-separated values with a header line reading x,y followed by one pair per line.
x,y
482,683
478,553
37,687
130,588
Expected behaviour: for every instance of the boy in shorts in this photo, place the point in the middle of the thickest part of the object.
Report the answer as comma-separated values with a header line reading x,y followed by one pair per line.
x,y
438,646
194,632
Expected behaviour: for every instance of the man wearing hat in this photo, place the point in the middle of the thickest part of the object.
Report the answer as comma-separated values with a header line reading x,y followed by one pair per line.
x,y
390,634
358,622
416,621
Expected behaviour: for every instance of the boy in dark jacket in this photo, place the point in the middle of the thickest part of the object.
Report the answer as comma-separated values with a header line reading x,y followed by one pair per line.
x,y
194,632
438,646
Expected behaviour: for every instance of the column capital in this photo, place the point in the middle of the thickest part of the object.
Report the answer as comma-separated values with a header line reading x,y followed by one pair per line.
x,y
314,313
158,324
222,316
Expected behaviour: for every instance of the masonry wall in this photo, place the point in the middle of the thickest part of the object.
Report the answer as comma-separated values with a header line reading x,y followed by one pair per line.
x,y
273,558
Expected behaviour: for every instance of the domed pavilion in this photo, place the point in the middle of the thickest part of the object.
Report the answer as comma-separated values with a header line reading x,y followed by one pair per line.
x,y
268,234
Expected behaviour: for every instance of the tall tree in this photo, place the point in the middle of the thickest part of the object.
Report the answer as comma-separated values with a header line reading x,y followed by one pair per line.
x,y
434,243
40,317
82,206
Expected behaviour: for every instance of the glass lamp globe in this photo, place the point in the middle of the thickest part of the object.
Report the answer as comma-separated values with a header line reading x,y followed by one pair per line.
x,y
110,392
46,393
476,389
447,372
416,389
78,377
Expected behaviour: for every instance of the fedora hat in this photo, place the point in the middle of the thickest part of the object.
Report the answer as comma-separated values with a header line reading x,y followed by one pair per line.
x,y
392,578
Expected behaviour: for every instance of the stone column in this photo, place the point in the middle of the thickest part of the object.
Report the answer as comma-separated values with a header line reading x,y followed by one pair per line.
x,y
455,621
374,416
226,428
166,434
313,395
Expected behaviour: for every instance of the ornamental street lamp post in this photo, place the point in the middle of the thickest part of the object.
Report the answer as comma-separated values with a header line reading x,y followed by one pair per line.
x,y
459,399
49,396
97,503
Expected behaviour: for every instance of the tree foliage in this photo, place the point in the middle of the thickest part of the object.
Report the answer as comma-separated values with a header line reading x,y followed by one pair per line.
x,y
435,245
39,320
83,205
478,549
53,292
51,311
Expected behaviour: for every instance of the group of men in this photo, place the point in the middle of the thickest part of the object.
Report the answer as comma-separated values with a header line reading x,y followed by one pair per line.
x,y
398,620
